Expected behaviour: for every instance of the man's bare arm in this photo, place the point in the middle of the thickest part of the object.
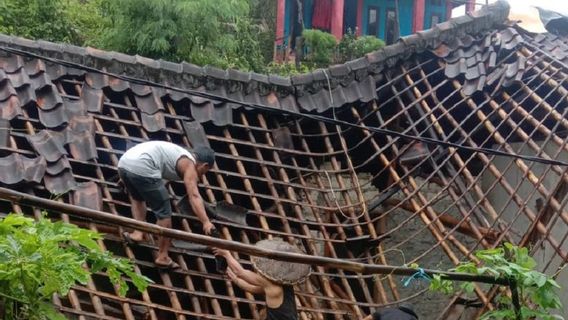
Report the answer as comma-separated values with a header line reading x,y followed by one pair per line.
x,y
242,273
190,180
243,284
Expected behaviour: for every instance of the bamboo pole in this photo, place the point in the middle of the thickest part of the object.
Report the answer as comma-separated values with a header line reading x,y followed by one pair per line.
x,y
448,221
163,275
72,295
266,173
425,218
496,172
104,217
129,253
278,203
325,282
440,131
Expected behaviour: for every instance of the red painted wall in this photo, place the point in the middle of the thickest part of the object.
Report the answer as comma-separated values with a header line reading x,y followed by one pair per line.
x,y
360,17
418,15
337,18
280,13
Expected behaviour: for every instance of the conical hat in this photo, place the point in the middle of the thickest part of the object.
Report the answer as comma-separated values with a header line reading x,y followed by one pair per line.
x,y
282,272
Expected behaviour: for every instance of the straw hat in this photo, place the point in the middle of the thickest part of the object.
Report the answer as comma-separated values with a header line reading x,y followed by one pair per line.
x,y
281,272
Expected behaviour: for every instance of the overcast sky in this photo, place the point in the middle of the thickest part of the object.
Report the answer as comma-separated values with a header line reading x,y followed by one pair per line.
x,y
524,10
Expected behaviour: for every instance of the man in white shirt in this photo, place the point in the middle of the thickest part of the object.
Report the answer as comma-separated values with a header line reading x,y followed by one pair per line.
x,y
143,169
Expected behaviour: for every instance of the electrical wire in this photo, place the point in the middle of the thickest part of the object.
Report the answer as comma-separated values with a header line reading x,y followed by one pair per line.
x,y
349,163
314,117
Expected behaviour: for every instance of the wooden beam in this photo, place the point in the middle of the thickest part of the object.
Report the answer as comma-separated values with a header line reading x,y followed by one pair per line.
x,y
104,217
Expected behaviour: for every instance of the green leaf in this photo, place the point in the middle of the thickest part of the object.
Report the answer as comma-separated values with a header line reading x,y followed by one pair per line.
x,y
499,314
467,287
42,258
48,311
538,291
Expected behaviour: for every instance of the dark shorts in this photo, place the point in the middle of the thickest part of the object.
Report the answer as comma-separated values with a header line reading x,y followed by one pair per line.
x,y
150,190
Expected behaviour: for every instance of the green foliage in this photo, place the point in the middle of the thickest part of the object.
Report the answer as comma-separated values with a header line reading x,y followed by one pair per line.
x,y
37,19
320,47
323,50
263,16
537,291
227,34
198,31
352,46
286,69
89,19
42,258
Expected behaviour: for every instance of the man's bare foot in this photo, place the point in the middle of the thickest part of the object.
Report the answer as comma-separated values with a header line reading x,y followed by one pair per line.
x,y
132,238
166,263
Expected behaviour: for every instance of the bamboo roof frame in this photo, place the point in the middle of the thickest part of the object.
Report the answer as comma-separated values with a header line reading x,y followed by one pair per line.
x,y
311,194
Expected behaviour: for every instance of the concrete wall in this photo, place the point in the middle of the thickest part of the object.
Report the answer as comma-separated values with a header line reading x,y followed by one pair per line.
x,y
520,223
411,240
418,240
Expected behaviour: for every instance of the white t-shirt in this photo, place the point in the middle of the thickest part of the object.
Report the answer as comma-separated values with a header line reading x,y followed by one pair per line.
x,y
154,159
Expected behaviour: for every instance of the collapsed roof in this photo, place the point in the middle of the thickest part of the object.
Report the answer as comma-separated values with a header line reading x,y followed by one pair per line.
x,y
362,187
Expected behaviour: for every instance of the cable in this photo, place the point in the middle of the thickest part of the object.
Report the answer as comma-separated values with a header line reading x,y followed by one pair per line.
x,y
349,163
293,113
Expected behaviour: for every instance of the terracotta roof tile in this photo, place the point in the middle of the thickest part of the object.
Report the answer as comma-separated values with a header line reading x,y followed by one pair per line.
x,y
82,146
48,144
48,98
17,79
10,108
153,122
195,133
92,99
6,90
60,183
88,195
16,168
4,133
58,166
149,104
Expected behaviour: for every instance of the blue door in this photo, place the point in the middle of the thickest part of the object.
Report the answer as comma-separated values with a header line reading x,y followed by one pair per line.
x,y
350,16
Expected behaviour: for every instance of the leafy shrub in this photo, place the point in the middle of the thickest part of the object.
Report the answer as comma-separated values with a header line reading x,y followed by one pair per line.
x,y
202,32
37,19
286,68
41,258
352,46
320,47
538,296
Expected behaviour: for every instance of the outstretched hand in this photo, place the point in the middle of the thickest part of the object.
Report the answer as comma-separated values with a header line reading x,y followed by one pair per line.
x,y
221,252
208,228
232,276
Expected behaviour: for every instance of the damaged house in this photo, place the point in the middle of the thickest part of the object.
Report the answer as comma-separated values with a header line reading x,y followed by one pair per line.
x,y
448,141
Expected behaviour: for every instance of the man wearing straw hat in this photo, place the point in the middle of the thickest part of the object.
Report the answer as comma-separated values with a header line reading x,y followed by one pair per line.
x,y
275,279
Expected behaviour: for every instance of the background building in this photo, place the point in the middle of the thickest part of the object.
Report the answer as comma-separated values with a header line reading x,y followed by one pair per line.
x,y
366,17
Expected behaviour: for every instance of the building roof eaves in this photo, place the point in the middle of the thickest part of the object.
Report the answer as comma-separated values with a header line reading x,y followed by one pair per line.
x,y
187,75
